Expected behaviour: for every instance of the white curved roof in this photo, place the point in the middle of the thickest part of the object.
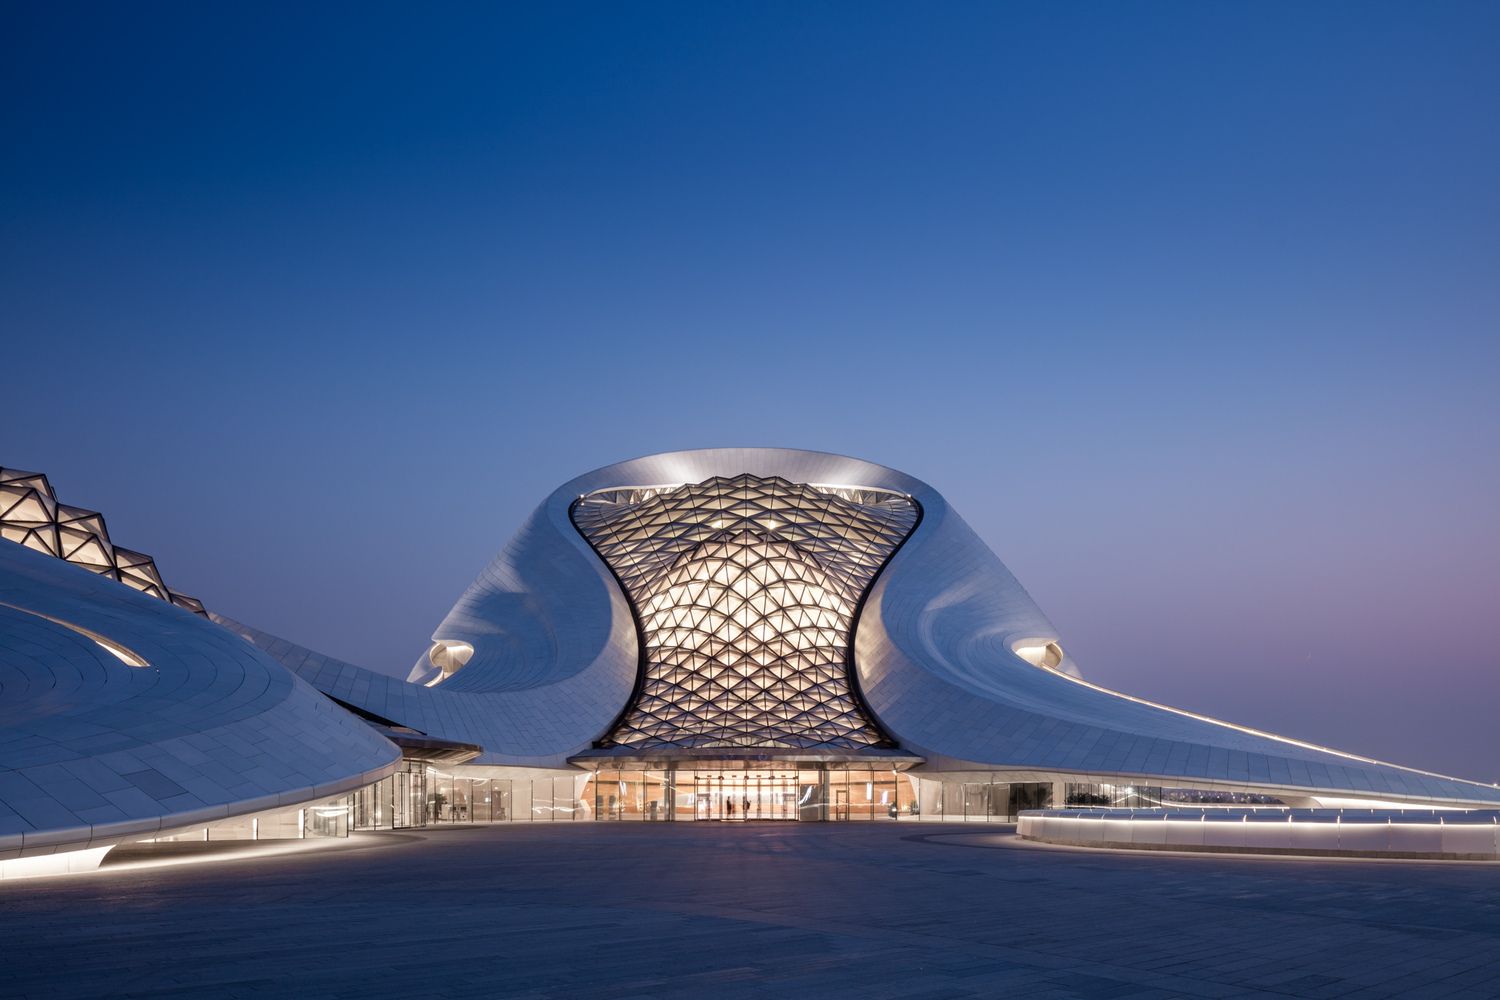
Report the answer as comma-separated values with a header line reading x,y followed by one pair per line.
x,y
555,657
95,750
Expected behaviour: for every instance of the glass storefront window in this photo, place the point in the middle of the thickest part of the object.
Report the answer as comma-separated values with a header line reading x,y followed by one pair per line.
x,y
930,801
421,794
328,819
730,794
684,797
626,795
907,806
479,800
861,795
658,792
461,806
565,803
521,801
812,796
393,803
1030,795
986,801
541,799
1081,794
836,784
885,805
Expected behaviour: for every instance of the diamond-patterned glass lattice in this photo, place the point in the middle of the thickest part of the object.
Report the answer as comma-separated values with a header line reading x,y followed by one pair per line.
x,y
745,590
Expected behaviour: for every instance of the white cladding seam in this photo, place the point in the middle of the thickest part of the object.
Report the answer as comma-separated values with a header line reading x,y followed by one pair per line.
x,y
555,658
94,751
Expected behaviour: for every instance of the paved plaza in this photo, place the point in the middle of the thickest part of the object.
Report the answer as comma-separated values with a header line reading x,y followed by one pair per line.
x,y
593,910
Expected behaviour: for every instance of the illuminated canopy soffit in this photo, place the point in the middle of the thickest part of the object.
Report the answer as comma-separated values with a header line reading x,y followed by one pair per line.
x,y
745,591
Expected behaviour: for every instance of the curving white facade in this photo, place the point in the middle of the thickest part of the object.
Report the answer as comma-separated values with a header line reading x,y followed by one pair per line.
x,y
123,717
951,658
726,633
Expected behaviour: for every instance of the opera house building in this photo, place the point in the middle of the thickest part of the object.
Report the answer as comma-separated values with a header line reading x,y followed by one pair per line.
x,y
723,635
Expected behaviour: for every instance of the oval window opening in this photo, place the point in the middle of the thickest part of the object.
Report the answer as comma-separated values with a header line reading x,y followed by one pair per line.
x,y
448,656
1039,653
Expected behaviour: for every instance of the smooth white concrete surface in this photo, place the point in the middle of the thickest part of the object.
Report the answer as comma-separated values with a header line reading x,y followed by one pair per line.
x,y
94,751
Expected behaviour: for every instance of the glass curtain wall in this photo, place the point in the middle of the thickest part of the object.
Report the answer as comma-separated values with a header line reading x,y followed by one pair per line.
x,y
808,795
393,803
632,795
451,797
422,795
1087,794
738,794
987,801
329,818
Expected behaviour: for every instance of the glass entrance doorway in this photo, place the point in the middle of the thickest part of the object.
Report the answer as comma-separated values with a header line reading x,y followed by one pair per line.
x,y
735,791
735,796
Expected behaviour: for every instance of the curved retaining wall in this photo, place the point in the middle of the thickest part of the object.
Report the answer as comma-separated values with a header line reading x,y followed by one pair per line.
x,y
1472,835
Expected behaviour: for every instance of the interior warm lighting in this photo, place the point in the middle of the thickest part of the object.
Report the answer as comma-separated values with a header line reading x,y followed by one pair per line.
x,y
745,591
125,655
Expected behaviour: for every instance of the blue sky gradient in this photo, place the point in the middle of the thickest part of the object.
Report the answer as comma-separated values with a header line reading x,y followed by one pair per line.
x,y
1190,309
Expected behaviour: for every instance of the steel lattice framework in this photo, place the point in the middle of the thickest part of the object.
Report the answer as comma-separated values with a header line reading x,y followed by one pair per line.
x,y
745,590
31,515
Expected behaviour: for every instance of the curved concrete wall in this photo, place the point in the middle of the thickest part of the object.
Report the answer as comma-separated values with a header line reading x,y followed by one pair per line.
x,y
94,751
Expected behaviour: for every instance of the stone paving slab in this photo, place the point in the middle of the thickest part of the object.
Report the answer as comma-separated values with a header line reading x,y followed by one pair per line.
x,y
590,911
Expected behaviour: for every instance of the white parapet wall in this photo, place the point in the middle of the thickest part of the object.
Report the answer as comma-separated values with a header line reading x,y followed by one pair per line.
x,y
1460,835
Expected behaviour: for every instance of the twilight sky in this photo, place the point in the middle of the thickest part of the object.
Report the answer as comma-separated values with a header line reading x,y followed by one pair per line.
x,y
1190,309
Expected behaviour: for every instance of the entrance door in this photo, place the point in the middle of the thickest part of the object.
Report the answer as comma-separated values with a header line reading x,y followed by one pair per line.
x,y
734,796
